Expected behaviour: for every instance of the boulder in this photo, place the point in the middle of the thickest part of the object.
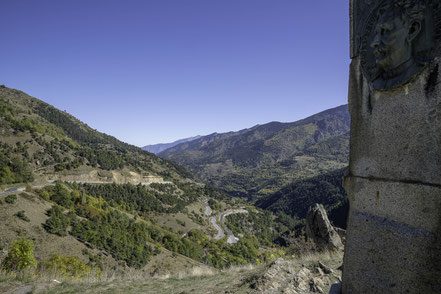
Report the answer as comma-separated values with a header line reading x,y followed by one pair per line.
x,y
320,230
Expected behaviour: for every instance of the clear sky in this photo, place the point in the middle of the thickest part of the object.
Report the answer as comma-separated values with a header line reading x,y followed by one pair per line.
x,y
154,71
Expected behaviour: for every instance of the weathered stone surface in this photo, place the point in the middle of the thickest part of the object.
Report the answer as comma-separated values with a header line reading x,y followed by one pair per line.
x,y
393,239
396,135
319,228
394,187
364,18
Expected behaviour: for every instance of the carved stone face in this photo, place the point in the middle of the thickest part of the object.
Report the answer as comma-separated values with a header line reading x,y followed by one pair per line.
x,y
391,44
395,40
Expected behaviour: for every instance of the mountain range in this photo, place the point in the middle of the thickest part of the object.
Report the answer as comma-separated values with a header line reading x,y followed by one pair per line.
x,y
85,198
259,161
157,148
74,192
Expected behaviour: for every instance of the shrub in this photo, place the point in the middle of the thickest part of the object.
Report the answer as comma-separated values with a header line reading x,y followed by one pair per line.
x,y
21,215
45,195
157,250
62,196
66,266
11,199
20,256
214,204
57,222
95,260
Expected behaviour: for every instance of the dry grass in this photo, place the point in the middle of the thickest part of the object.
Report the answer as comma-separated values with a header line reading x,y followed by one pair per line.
x,y
199,271
198,279
175,222
326,255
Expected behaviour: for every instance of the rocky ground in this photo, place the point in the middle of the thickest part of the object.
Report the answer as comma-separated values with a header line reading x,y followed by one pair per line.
x,y
288,277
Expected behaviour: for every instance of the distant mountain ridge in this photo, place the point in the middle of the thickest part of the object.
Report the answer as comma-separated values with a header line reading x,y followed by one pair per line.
x,y
157,148
260,160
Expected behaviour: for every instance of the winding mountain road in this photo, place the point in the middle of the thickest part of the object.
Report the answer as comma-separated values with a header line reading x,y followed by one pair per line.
x,y
208,212
220,232
23,188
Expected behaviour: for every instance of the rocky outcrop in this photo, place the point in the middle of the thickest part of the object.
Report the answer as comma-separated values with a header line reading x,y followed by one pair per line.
x,y
320,230
284,276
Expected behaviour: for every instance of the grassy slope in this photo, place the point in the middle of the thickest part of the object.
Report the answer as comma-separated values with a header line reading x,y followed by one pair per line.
x,y
166,221
47,244
43,138
258,161
176,225
198,280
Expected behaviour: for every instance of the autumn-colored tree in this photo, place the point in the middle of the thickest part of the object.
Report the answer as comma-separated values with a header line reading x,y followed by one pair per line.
x,y
20,256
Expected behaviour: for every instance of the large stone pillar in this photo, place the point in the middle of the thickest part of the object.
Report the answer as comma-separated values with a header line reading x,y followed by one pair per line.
x,y
393,242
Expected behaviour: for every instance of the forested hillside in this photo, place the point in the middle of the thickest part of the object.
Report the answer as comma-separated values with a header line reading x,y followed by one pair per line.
x,y
38,140
99,218
259,161
121,209
296,198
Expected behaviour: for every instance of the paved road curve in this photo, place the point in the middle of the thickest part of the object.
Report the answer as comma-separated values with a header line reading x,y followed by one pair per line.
x,y
23,188
220,232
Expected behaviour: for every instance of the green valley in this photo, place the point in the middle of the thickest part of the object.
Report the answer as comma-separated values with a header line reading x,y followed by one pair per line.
x,y
258,161
89,204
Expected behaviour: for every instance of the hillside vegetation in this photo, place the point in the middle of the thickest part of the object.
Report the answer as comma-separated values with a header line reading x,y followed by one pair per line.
x,y
123,227
37,140
94,206
259,161
302,274
296,198
109,202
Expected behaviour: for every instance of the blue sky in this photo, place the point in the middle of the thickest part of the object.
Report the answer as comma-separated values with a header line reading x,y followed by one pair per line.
x,y
152,71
